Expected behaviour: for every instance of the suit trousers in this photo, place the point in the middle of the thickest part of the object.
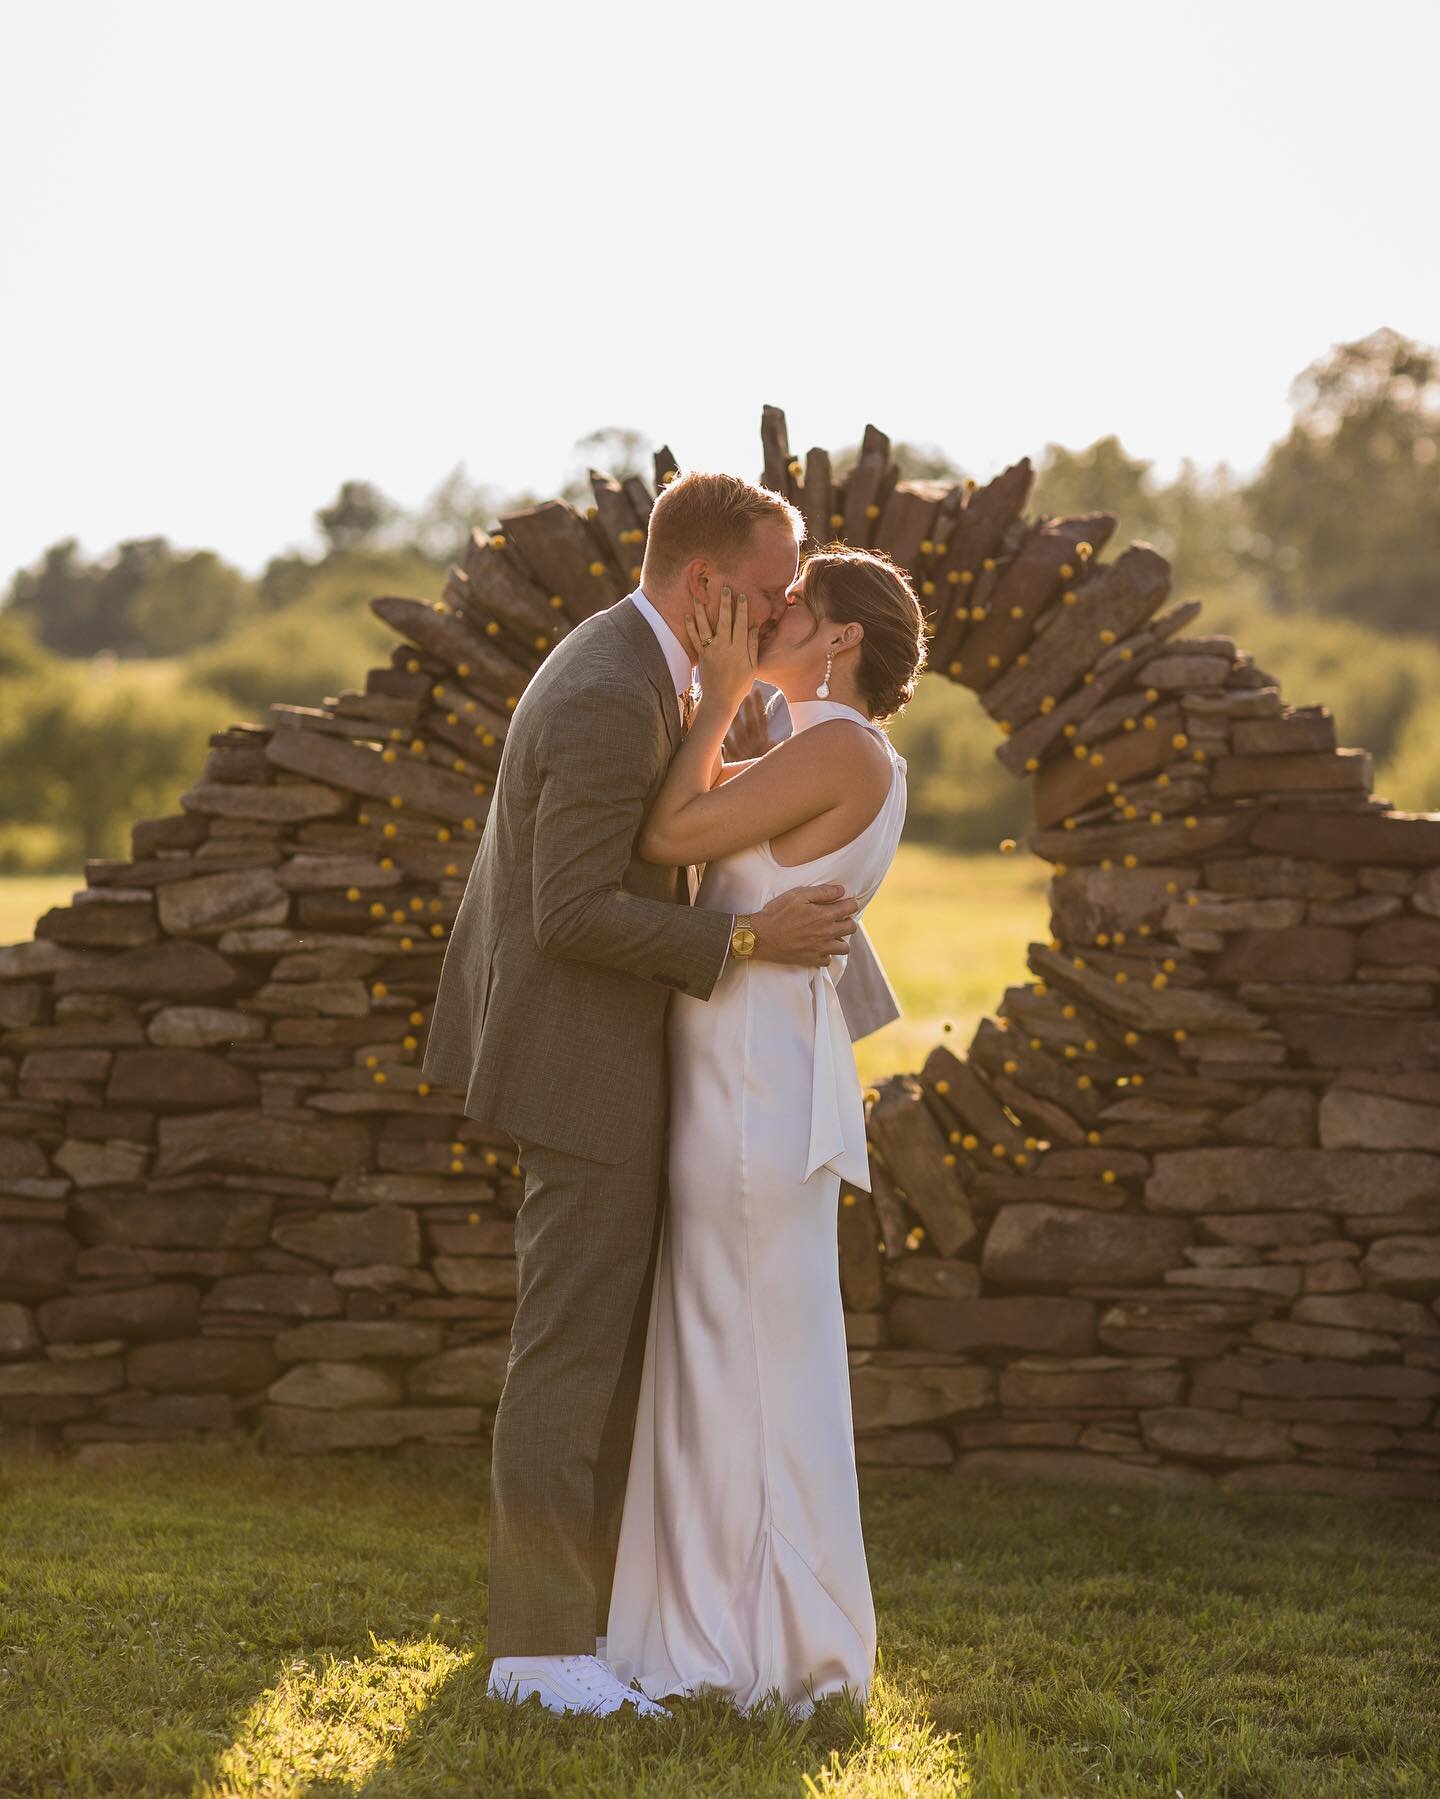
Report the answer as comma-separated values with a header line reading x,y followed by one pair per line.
x,y
586,1241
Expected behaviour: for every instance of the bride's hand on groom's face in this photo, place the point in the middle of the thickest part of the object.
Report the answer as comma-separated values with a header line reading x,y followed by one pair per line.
x,y
728,655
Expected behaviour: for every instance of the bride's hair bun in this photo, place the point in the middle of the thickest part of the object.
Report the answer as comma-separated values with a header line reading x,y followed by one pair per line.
x,y
845,584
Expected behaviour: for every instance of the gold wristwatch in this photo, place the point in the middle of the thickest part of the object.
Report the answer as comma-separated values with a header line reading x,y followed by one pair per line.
x,y
742,937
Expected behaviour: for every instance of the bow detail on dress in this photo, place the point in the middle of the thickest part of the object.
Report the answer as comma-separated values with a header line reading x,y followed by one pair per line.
x,y
837,1109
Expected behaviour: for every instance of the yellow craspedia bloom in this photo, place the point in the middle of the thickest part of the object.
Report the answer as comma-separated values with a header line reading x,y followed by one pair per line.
x,y
847,1199
417,904
379,1077
1017,612
442,835
377,910
1108,1176
967,575
387,755
987,562
387,861
955,668
352,893
412,667
597,568
1065,571
872,510
372,1061
437,930
396,801
457,1168
493,628
942,1086
836,520
1178,1035
462,668
969,1140
422,1087
948,1160
927,587
1160,980
407,943
1031,764
557,601
1069,596
468,823
409,1042
1010,1067
1048,705
953,577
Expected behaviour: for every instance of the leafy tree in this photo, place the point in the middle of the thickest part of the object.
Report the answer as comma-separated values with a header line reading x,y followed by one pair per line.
x,y
194,600
79,607
1349,501
358,515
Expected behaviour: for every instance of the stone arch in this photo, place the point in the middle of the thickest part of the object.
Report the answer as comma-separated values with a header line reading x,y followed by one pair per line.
x,y
1172,1217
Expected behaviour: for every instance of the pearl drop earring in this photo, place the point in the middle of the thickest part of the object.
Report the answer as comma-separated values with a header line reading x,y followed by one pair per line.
x,y
823,690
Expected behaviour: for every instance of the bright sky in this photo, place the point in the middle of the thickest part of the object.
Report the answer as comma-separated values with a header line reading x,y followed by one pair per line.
x,y
252,251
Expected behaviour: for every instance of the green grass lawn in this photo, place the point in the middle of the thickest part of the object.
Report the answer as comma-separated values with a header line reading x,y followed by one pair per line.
x,y
951,931
208,1624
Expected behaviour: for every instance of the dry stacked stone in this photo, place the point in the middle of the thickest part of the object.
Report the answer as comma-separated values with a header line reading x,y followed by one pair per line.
x,y
1173,1217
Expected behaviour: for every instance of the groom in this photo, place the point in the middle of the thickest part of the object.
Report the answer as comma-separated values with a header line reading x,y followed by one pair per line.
x,y
550,1016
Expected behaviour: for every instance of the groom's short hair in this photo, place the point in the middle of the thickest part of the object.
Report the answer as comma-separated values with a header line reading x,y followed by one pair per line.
x,y
705,514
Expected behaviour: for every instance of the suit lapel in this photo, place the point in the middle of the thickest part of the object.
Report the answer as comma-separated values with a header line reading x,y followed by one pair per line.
x,y
635,627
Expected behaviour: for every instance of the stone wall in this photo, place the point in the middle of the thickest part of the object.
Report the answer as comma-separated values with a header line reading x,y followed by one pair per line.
x,y
1173,1216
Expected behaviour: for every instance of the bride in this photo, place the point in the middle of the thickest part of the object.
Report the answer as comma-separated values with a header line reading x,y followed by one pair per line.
x,y
741,1566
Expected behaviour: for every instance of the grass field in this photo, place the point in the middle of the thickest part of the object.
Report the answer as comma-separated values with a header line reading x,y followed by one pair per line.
x,y
950,930
233,1625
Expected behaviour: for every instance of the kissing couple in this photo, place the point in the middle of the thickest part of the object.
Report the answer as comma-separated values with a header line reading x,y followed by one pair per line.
x,y
651,985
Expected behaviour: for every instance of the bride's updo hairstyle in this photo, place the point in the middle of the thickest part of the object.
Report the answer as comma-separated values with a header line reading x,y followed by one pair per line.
x,y
844,585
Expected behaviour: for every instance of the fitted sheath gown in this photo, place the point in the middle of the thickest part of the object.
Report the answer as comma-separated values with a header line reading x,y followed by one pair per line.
x,y
741,1565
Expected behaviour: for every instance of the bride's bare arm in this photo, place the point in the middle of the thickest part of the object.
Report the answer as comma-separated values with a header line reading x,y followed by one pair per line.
x,y
828,768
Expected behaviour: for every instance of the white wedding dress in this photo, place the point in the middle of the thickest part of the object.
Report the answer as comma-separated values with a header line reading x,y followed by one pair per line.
x,y
741,1564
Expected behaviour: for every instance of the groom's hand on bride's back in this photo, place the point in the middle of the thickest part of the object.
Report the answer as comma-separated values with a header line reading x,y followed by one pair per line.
x,y
807,925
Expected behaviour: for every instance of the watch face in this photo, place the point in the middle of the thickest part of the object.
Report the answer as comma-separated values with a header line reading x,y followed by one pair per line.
x,y
743,940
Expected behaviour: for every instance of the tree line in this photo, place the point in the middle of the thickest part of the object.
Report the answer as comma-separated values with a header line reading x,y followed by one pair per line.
x,y
114,669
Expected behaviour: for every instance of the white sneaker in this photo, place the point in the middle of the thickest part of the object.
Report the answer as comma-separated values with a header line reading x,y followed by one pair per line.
x,y
567,1683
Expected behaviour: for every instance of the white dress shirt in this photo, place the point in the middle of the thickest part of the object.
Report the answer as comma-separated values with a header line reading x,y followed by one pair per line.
x,y
685,675
676,654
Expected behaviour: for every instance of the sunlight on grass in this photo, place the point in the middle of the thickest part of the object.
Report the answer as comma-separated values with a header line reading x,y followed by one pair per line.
x,y
335,1718
241,1627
